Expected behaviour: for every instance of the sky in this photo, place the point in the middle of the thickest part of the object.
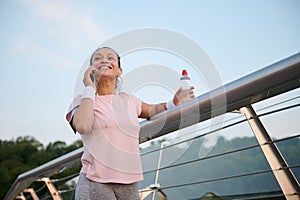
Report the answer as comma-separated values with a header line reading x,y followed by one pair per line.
x,y
45,45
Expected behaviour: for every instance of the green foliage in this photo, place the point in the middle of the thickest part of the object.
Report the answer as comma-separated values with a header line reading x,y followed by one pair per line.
x,y
25,153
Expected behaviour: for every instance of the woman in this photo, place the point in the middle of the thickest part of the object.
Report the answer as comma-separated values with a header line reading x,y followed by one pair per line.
x,y
108,125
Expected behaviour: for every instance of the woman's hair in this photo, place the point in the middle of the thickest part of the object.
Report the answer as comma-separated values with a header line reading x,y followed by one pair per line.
x,y
119,79
91,59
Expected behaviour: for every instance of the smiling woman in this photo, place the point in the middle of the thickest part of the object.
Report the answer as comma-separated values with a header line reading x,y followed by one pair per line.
x,y
109,127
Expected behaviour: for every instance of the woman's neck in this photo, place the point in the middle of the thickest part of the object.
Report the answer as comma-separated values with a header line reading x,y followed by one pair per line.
x,y
106,87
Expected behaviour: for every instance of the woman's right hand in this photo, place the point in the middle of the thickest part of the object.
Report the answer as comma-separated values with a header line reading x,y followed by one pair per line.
x,y
87,81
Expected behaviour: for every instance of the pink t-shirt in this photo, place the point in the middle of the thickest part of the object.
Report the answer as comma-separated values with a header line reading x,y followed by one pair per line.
x,y
111,151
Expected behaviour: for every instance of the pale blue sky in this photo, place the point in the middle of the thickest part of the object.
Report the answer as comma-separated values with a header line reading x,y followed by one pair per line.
x,y
45,43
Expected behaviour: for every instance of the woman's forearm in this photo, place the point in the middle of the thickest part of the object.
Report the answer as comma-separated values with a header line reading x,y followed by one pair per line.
x,y
158,108
148,110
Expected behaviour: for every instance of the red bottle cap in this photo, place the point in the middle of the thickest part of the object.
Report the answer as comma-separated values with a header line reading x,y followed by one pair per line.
x,y
184,72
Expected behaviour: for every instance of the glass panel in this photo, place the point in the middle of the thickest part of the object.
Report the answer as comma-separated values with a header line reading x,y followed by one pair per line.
x,y
290,151
233,167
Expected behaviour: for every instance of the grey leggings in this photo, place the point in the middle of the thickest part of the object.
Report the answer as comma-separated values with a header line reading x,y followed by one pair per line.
x,y
90,190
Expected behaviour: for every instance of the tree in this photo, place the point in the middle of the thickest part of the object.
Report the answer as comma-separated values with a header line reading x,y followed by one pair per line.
x,y
25,153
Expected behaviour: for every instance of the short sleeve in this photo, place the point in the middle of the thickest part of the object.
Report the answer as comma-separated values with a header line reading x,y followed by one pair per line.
x,y
72,109
138,104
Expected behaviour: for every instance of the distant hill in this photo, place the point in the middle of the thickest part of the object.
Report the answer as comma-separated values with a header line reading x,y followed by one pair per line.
x,y
211,173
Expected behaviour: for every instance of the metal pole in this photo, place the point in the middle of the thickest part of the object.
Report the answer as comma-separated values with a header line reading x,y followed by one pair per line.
x,y
52,189
285,177
32,193
21,197
158,166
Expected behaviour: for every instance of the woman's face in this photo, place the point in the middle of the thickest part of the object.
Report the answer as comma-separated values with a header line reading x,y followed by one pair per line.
x,y
106,64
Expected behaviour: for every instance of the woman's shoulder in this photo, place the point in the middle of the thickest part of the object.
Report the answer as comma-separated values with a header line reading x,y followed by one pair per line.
x,y
125,95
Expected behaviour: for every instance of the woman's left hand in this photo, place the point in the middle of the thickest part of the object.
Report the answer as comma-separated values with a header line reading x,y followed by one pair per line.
x,y
183,95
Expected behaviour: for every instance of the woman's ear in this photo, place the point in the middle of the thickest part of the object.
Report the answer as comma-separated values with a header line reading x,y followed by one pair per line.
x,y
120,70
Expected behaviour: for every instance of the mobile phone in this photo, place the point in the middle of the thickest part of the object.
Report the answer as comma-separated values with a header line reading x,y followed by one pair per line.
x,y
92,76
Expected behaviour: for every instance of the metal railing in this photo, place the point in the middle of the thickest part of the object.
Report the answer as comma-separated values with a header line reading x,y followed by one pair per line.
x,y
239,95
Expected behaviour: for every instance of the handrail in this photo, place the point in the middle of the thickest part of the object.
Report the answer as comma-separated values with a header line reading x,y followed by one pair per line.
x,y
48,169
270,81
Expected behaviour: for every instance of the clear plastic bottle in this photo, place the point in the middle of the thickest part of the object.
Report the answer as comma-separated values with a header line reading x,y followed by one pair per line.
x,y
185,80
185,83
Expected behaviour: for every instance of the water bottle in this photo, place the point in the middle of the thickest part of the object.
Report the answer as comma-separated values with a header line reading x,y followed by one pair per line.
x,y
185,83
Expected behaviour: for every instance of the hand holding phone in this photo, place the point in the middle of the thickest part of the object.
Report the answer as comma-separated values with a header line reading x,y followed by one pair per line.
x,y
89,77
92,76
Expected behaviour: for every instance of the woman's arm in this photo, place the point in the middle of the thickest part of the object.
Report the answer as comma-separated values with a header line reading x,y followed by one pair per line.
x,y
148,110
84,116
